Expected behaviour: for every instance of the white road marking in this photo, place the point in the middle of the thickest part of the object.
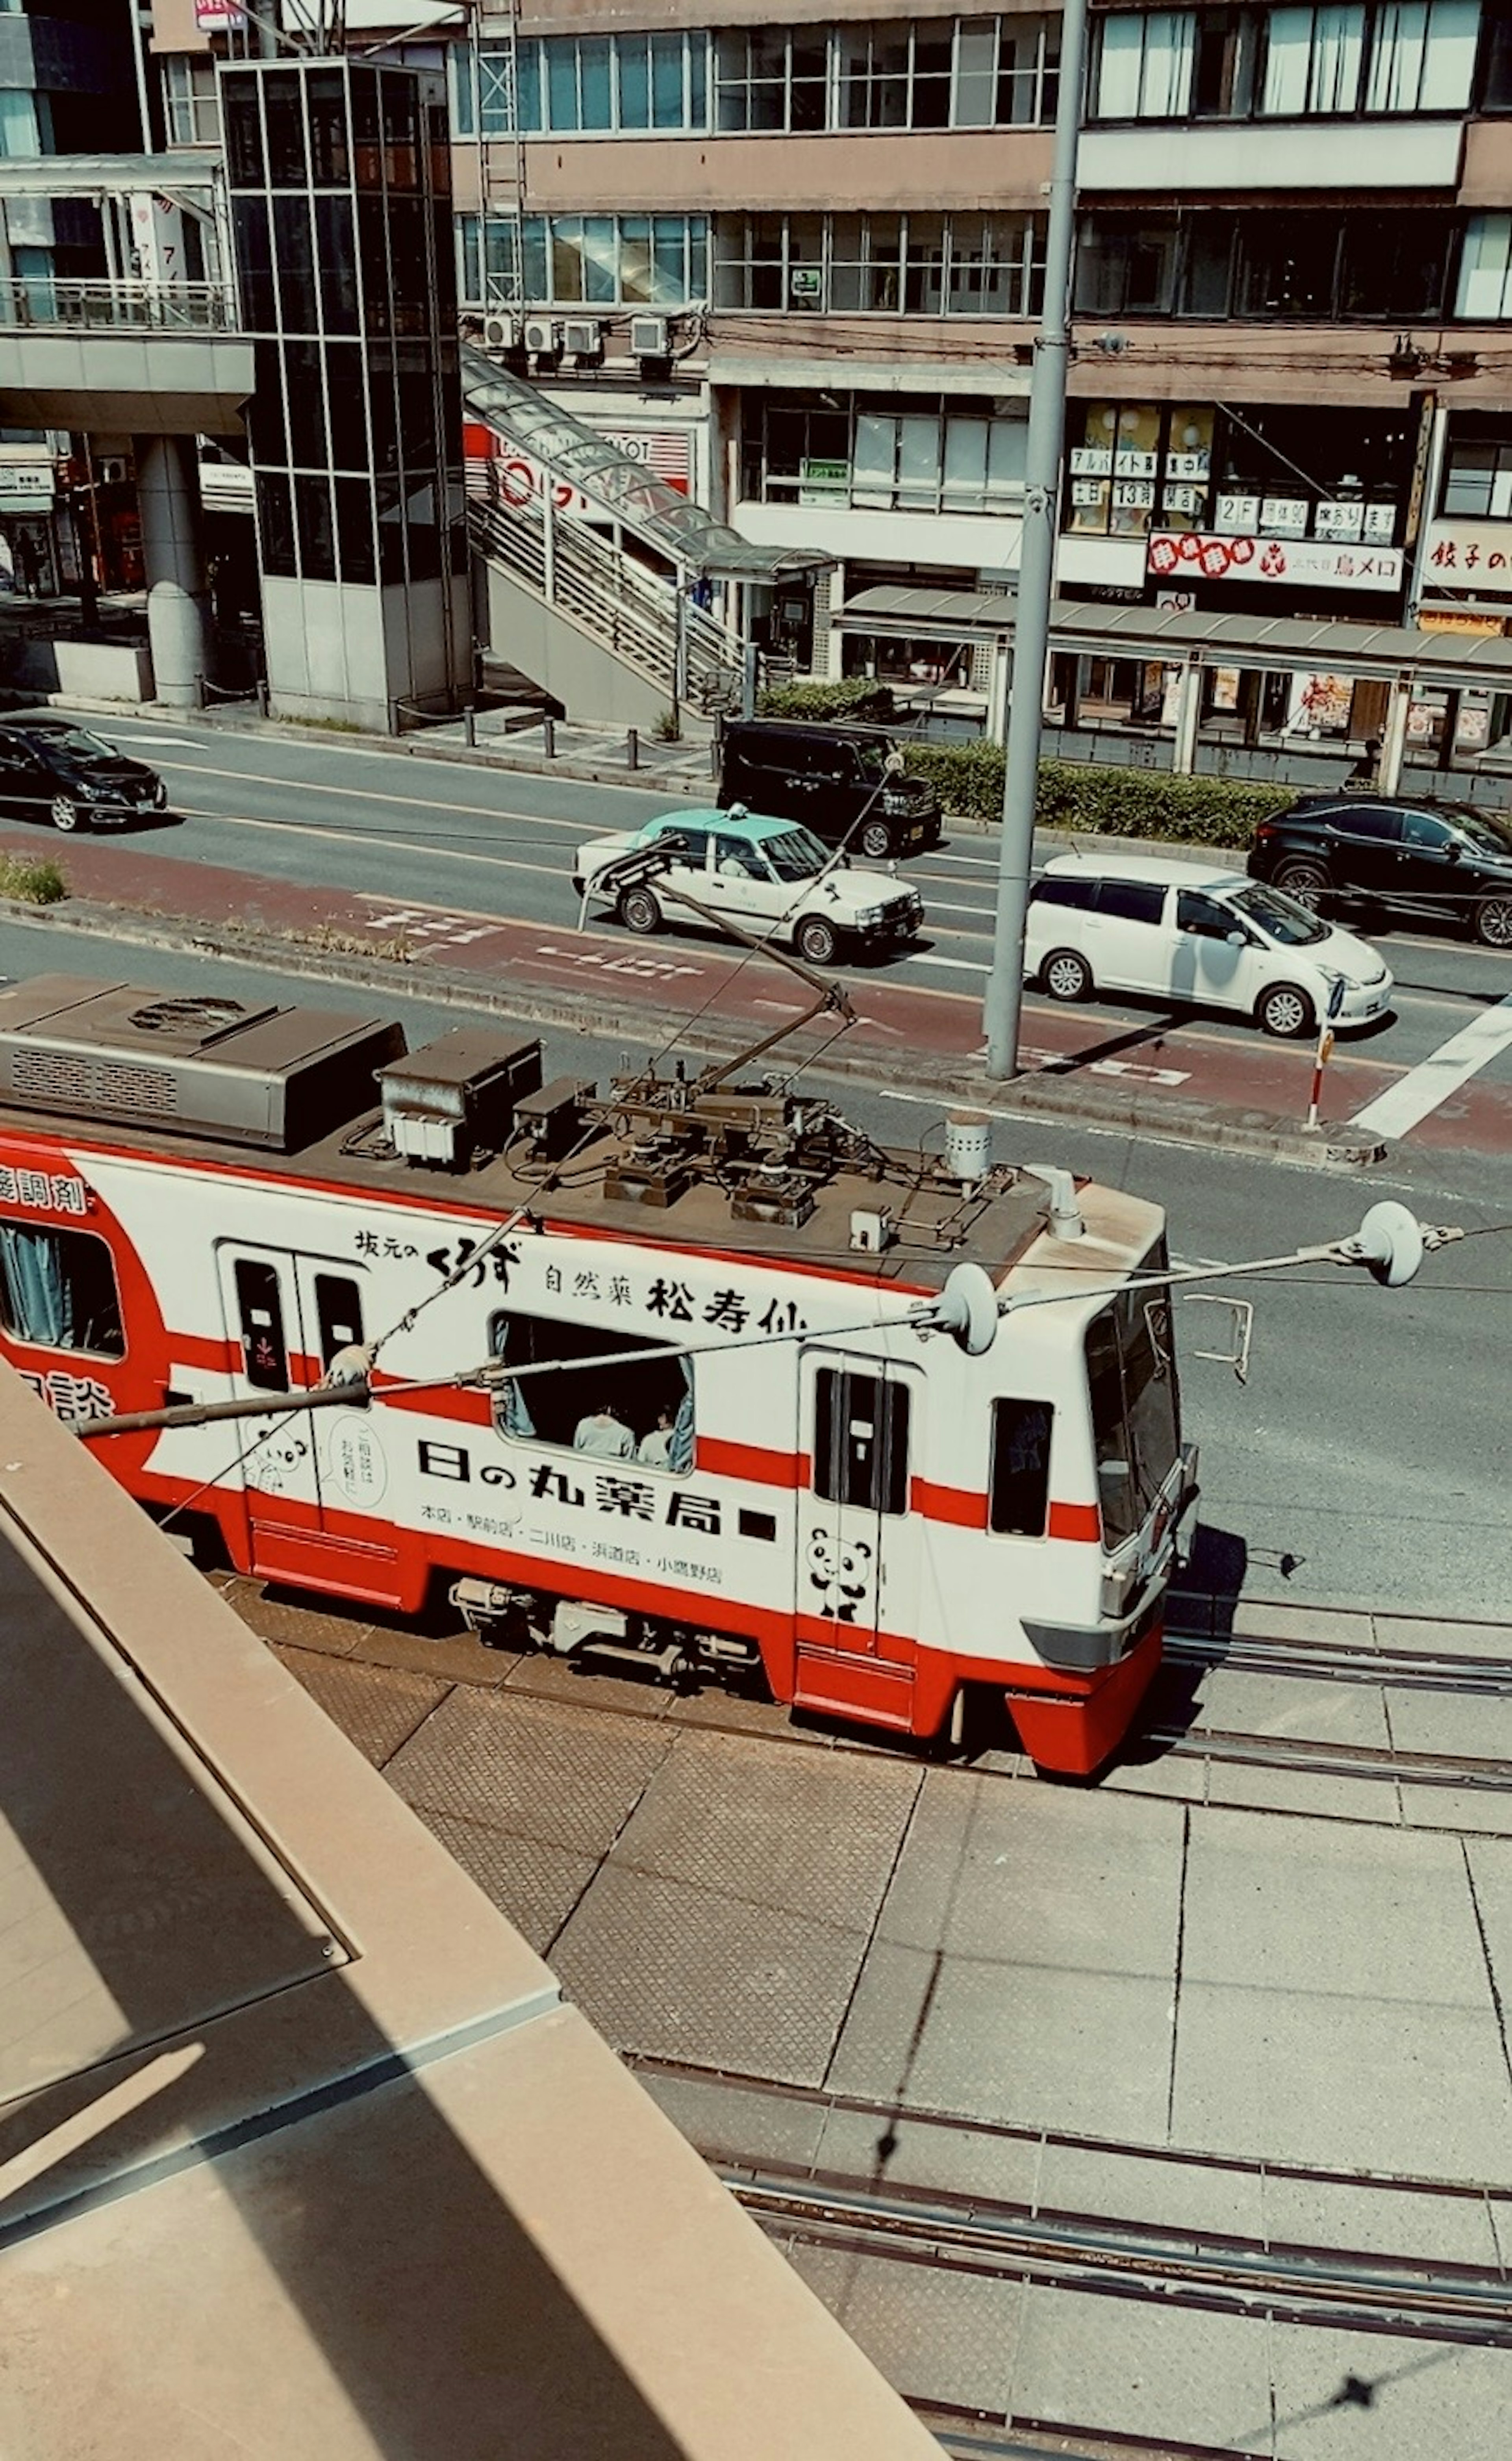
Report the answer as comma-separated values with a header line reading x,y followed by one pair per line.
x,y
370,795
174,742
1409,1101
954,965
383,844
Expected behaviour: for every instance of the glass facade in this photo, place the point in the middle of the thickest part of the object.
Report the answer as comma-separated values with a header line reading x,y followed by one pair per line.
x,y
1328,62
339,176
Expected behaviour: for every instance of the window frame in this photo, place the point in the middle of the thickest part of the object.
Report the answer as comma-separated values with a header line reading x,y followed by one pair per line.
x,y
69,1238
888,1478
560,1331
997,1525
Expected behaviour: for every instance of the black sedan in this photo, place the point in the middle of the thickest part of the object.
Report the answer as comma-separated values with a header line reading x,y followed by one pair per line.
x,y
1394,856
53,770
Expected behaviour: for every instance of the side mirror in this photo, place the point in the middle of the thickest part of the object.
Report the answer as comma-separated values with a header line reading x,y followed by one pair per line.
x,y
1237,939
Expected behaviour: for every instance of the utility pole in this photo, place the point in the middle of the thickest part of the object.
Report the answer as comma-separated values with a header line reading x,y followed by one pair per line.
x,y
1047,419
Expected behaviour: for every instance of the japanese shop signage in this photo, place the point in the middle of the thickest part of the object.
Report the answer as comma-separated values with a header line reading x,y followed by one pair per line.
x,y
1470,555
1305,563
218,16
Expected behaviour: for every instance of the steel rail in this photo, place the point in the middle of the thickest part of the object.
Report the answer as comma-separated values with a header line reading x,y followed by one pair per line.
x,y
1322,1757
947,2233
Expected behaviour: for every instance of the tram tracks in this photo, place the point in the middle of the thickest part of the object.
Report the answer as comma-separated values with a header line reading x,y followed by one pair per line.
x,y
1182,1744
907,2221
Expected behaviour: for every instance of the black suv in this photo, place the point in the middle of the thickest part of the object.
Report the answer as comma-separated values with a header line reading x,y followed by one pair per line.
x,y
840,782
1440,861
53,770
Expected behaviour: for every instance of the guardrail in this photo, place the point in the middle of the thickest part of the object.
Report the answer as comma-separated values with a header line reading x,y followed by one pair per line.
x,y
618,601
47,306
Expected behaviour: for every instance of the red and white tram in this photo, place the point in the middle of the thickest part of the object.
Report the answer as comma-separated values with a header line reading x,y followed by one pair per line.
x,y
200,1201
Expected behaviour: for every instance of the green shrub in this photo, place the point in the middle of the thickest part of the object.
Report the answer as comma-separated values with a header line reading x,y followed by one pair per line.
x,y
1076,795
33,880
856,698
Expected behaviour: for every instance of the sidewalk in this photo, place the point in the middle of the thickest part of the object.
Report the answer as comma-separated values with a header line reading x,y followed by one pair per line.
x,y
703,998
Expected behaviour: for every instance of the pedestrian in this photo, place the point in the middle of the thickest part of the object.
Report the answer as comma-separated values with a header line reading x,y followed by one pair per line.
x,y
1367,768
26,565
656,1450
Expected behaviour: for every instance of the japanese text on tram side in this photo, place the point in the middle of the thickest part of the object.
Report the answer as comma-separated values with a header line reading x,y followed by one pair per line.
x,y
43,1191
73,1398
667,1301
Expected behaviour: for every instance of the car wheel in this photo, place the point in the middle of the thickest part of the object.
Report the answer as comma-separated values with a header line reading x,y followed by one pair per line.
x,y
817,940
1285,1011
1303,879
1494,922
639,911
876,840
1065,975
66,814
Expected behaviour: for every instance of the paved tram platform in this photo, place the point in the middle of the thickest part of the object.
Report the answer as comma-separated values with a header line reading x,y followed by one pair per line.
x,y
1233,2024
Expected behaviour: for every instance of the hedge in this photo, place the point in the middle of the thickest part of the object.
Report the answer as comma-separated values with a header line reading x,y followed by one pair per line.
x,y
858,697
1111,803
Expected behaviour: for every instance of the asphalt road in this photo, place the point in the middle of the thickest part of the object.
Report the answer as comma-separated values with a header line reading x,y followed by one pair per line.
x,y
492,844
1365,1463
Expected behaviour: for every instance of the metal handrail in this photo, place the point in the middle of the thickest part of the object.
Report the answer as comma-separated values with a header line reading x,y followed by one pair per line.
x,y
45,303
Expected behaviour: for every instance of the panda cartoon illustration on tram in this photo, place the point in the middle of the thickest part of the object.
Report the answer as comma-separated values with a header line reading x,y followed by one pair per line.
x,y
692,1372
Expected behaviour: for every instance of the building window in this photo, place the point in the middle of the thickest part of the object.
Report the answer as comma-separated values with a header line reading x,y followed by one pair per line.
x,y
1303,266
1484,293
1143,67
919,454
921,265
572,85
1477,480
487,260
57,1290
938,72
615,259
640,1408
191,106
1236,63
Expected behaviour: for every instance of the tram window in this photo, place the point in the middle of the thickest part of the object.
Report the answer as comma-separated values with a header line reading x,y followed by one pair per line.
x,y
639,1406
860,1441
260,1306
57,1289
338,1314
1131,1377
1019,1498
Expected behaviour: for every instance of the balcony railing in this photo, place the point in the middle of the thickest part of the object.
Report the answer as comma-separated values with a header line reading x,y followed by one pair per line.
x,y
44,305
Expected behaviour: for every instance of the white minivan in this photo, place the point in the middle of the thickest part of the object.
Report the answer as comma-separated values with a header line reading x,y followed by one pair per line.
x,y
1194,931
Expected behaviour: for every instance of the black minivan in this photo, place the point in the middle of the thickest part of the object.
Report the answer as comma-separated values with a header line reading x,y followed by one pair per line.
x,y
843,782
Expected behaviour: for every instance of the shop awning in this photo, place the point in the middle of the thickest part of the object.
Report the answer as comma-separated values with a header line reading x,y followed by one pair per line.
x,y
1159,635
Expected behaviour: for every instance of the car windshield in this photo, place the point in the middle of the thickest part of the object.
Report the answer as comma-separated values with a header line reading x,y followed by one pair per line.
x,y
1279,917
796,855
1486,830
77,740
872,759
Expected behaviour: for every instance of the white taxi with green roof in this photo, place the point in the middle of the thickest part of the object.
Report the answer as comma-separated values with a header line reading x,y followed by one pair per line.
x,y
770,878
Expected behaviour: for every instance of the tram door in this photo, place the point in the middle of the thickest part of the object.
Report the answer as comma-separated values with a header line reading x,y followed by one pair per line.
x,y
857,1566
286,1318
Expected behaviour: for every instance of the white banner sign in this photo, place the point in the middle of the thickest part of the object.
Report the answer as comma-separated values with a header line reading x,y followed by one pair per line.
x,y
1472,556
1306,564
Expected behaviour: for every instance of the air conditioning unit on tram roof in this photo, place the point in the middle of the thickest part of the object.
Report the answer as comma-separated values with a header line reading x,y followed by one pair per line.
x,y
246,1074
454,1098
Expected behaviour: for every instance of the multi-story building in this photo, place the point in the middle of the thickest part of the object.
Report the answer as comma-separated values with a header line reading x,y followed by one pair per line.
x,y
795,265
67,86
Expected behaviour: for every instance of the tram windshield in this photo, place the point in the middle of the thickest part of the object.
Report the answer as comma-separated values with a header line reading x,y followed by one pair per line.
x,y
1135,1415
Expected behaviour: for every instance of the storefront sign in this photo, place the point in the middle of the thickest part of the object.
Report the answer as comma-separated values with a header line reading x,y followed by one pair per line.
x,y
1307,563
1284,516
1454,620
218,16
1239,514
824,482
26,487
1470,555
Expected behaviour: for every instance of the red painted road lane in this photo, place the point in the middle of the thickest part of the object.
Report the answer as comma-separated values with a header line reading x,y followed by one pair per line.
x,y
670,976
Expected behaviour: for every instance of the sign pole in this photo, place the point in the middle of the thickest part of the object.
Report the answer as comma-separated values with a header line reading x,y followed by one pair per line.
x,y
1037,560
1325,1049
